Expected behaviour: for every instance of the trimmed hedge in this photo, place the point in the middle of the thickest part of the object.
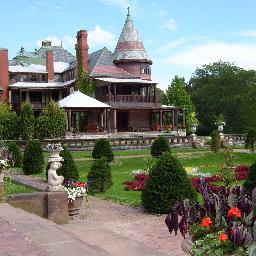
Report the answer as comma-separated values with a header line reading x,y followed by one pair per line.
x,y
167,183
16,154
101,149
250,182
33,159
99,176
159,146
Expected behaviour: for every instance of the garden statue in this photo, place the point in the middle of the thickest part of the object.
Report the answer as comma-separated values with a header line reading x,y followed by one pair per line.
x,y
54,180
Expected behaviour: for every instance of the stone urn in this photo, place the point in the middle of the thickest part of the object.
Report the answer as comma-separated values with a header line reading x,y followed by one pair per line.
x,y
220,126
193,129
74,206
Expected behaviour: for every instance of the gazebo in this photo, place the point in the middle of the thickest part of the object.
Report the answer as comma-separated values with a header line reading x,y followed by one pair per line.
x,y
79,102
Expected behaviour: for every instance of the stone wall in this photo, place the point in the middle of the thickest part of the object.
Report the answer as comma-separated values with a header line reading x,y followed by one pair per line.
x,y
50,205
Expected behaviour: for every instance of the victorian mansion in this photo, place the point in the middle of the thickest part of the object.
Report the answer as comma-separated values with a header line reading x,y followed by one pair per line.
x,y
122,81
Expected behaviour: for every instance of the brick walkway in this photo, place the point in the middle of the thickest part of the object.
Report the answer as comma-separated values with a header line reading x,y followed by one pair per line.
x,y
13,243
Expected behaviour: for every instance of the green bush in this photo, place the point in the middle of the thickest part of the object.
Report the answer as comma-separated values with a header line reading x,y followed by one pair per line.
x,y
68,169
27,121
99,176
250,139
250,182
101,149
159,146
215,142
167,183
33,159
16,154
51,122
9,123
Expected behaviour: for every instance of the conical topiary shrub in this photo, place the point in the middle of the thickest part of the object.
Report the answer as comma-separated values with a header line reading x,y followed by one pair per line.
x,y
16,154
159,146
101,149
215,142
250,182
99,176
33,159
167,183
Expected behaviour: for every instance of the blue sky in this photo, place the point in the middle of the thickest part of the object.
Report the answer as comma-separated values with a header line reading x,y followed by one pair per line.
x,y
179,35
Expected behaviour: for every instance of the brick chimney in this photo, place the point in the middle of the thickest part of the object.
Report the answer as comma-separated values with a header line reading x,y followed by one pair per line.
x,y
49,65
4,75
82,48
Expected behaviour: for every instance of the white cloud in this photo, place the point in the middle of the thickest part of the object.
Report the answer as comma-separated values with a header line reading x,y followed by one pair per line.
x,y
248,33
123,4
98,36
243,55
170,24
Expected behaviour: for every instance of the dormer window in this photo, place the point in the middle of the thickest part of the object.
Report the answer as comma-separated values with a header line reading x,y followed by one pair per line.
x,y
145,69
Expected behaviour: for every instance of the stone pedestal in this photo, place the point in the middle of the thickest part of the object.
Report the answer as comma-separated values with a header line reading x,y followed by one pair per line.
x,y
58,207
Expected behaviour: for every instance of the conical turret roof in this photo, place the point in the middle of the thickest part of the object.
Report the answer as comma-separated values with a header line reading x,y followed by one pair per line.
x,y
129,46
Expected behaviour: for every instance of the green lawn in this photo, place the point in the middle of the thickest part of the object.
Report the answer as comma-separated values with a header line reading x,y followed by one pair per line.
x,y
122,168
14,188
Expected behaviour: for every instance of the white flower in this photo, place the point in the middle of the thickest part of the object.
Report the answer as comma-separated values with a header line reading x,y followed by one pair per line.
x,y
74,192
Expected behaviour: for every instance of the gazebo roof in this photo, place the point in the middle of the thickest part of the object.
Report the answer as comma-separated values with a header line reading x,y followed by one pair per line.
x,y
79,100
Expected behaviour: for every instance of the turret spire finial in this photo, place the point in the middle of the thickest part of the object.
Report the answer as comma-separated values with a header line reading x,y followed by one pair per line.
x,y
128,8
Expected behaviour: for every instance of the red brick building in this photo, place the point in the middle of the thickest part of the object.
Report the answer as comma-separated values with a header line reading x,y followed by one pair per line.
x,y
123,81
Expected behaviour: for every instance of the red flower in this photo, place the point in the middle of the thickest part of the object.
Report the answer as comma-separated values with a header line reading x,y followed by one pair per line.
x,y
232,232
223,237
205,222
234,212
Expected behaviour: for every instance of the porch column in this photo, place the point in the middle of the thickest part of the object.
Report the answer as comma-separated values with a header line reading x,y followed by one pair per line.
x,y
161,119
155,94
69,120
114,113
10,96
60,95
27,96
102,119
184,118
109,93
114,92
177,119
108,119
105,119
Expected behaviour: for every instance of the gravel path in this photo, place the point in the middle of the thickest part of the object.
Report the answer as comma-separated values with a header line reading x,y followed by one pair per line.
x,y
112,220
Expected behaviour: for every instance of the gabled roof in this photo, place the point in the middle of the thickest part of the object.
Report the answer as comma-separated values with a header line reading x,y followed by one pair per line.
x,y
129,46
101,65
80,100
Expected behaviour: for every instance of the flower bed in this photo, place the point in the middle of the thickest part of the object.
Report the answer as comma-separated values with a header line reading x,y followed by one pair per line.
x,y
138,184
241,172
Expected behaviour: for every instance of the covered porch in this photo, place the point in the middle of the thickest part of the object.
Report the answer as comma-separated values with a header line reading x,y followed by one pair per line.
x,y
78,105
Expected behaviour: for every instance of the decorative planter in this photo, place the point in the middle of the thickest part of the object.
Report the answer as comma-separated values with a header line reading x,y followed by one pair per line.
x,y
54,154
74,206
1,177
220,126
193,128
186,244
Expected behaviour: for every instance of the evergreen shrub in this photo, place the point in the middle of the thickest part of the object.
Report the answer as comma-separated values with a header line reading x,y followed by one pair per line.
x,y
159,146
27,121
250,182
215,142
101,149
99,176
16,154
167,183
33,159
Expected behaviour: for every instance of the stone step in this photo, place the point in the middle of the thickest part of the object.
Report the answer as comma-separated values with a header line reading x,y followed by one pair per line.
x,y
28,234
